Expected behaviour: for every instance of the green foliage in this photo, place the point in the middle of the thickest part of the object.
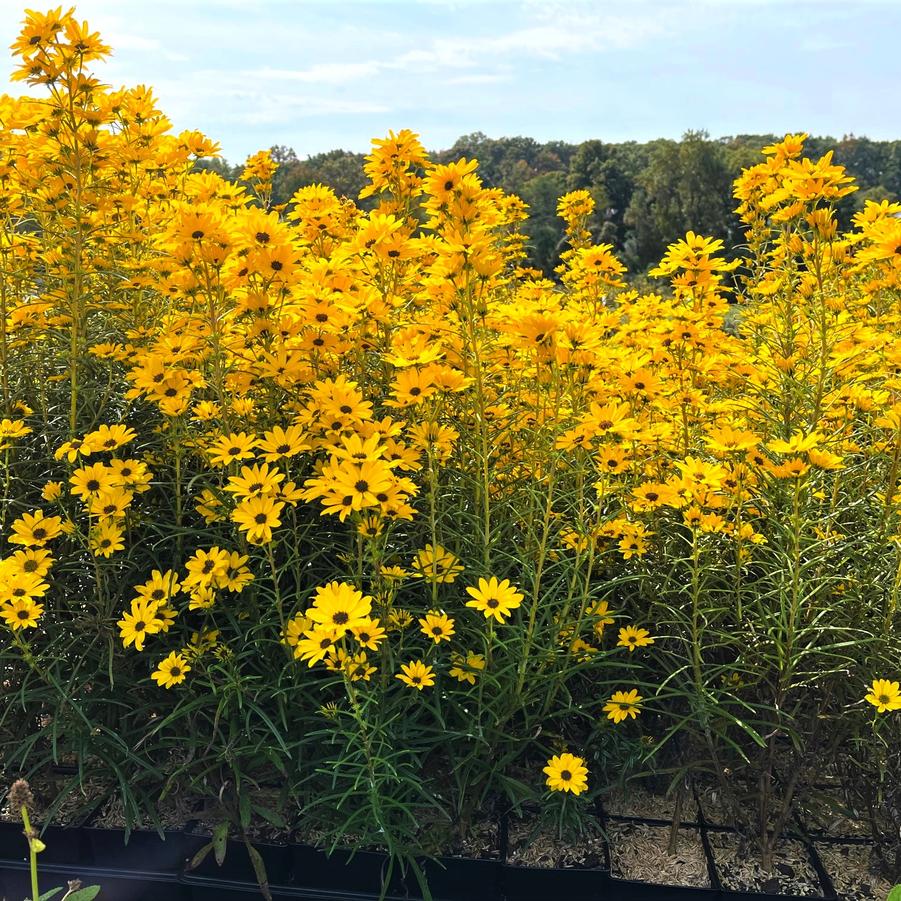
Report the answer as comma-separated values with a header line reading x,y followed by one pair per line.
x,y
647,195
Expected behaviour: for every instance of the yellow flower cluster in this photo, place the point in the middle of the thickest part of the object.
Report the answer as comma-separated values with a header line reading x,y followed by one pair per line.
x,y
227,428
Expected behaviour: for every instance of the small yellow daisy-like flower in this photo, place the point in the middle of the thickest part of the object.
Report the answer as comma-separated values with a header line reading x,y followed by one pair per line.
x,y
160,587
436,564
339,606
254,481
90,481
369,634
35,529
280,443
139,622
885,695
21,613
399,619
109,437
30,561
52,491
171,671
294,629
71,449
466,667
567,773
232,448
494,598
257,516
416,674
315,644
16,586
631,637
602,611
437,626
623,704
106,538
13,428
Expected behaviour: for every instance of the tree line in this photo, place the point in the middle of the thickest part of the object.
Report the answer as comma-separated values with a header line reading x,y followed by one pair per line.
x,y
647,194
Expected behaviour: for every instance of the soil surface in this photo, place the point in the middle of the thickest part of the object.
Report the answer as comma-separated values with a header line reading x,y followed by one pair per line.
x,y
533,844
740,869
641,852
852,873
637,801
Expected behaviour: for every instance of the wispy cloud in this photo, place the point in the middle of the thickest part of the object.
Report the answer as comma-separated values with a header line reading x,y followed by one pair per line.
x,y
321,74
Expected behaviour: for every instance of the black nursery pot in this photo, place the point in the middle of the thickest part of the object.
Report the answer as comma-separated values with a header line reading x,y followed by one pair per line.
x,y
16,884
65,844
525,883
450,878
295,871
543,883
361,872
143,851
138,871
237,866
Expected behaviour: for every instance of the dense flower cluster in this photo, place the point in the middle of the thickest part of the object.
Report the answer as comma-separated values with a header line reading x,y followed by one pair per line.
x,y
248,451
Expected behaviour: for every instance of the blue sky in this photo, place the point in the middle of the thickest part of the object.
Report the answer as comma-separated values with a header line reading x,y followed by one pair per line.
x,y
320,74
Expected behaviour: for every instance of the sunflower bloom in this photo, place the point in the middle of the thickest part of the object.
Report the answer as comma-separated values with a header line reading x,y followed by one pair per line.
x,y
631,637
493,598
339,606
257,517
884,695
139,622
171,671
623,704
22,613
437,626
416,674
566,773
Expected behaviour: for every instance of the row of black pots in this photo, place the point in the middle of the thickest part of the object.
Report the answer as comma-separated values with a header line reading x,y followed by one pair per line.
x,y
150,865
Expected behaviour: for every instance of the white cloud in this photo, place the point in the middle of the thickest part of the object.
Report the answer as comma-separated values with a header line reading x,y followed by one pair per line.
x,y
480,78
322,73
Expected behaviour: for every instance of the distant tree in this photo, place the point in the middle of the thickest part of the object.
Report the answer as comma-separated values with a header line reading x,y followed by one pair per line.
x,y
219,166
609,172
544,228
686,186
286,159
646,194
340,170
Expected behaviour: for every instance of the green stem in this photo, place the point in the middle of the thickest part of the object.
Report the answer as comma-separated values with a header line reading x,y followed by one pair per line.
x,y
32,837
